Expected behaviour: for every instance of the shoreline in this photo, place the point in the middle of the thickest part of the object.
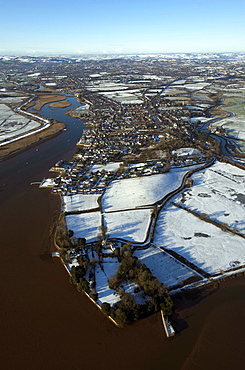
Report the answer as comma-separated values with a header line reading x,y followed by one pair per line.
x,y
184,299
17,146
31,141
83,292
47,98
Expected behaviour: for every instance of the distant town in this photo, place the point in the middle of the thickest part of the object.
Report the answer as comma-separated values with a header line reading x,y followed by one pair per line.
x,y
153,199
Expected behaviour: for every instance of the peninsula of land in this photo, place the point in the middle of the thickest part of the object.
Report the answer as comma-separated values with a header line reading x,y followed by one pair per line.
x,y
153,199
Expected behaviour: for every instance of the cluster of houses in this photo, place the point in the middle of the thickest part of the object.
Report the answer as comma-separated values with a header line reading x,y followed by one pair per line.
x,y
74,178
85,177
127,138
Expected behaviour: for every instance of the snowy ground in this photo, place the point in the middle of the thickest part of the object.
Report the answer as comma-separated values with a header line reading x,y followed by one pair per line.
x,y
195,119
129,225
165,268
140,191
47,183
11,99
196,86
85,225
201,243
129,288
104,85
111,166
13,124
105,294
124,97
235,126
80,202
218,192
186,151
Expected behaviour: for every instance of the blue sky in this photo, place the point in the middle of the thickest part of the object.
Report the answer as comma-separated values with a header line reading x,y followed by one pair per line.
x,y
128,26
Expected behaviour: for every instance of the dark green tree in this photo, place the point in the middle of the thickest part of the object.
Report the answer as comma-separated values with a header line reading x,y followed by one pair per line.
x,y
106,308
83,285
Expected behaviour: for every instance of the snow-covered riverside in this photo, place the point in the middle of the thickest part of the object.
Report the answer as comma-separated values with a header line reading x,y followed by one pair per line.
x,y
128,218
127,208
85,225
166,268
80,202
15,126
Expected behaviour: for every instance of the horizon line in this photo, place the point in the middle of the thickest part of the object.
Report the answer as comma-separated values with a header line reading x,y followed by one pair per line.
x,y
77,54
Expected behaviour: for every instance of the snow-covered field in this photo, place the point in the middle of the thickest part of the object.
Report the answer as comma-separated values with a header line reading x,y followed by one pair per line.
x,y
129,288
174,90
165,268
125,195
111,166
235,126
85,225
105,294
124,97
105,85
201,243
186,151
140,191
129,225
80,202
196,86
13,124
218,192
11,99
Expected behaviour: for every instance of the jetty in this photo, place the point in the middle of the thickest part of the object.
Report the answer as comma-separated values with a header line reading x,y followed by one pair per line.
x,y
169,330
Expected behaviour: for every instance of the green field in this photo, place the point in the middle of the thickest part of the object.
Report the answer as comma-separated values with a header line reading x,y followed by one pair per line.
x,y
234,125
237,105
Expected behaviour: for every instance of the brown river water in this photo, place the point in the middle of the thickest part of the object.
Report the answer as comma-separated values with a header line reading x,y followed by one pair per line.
x,y
46,324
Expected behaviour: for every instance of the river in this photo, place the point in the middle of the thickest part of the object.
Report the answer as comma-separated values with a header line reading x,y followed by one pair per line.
x,y
47,324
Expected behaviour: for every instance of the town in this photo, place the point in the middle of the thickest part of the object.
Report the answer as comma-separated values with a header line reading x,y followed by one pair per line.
x,y
140,215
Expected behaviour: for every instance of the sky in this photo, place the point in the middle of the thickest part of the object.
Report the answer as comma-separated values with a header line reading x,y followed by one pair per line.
x,y
121,27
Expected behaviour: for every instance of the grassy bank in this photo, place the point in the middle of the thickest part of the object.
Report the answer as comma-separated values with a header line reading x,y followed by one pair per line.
x,y
49,98
61,104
